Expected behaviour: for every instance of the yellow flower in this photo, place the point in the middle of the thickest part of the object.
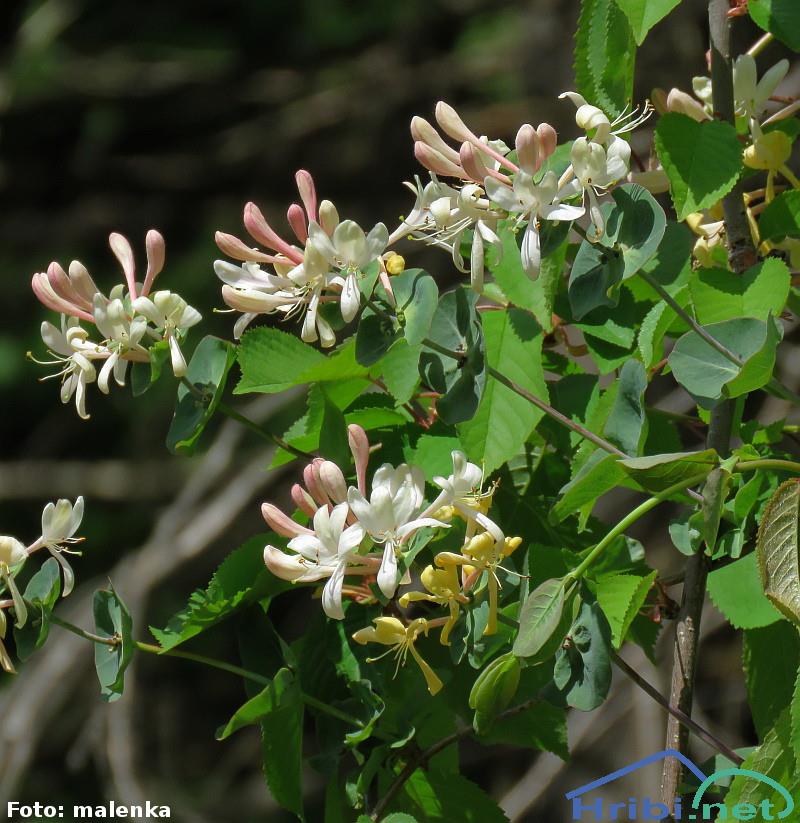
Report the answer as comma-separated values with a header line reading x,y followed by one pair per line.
x,y
389,631
445,590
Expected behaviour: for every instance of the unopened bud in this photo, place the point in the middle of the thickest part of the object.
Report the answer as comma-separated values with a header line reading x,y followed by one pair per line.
x,y
424,132
156,253
308,192
527,145
12,551
548,139
395,263
328,217
450,122
235,248
332,481
494,689
435,161
472,163
297,220
683,103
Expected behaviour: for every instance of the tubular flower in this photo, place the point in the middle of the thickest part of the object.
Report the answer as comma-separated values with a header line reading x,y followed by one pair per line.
x,y
122,319
443,589
13,555
389,631
390,515
60,522
6,663
325,266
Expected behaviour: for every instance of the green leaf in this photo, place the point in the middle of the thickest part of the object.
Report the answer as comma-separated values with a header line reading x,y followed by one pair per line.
x,y
702,160
207,371
333,432
771,656
595,275
400,370
271,360
598,475
433,453
657,472
416,296
736,591
644,14
445,797
278,709
537,295
709,375
241,580
41,595
761,291
626,426
777,550
780,17
582,672
621,596
781,218
539,620
605,54
456,327
635,225
542,727
375,336
340,365
774,759
143,375
112,621
504,420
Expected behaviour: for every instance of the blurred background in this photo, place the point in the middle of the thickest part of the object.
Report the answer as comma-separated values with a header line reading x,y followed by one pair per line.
x,y
122,117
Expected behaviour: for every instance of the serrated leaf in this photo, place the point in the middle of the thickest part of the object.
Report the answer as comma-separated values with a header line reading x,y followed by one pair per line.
x,y
271,360
777,550
718,294
781,218
780,17
445,797
207,372
644,14
620,597
605,55
736,591
709,375
702,160
504,420
112,621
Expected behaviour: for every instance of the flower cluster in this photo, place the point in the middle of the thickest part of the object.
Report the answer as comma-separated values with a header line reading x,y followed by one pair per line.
x,y
768,147
60,522
296,280
129,321
362,533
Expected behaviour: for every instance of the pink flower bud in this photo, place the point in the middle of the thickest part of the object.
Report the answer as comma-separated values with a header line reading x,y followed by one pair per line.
x,y
310,479
359,448
303,500
332,481
63,287
281,523
548,139
82,282
308,192
527,144
297,220
124,253
235,248
45,294
260,230
451,124
156,251
436,162
472,163
328,217
424,132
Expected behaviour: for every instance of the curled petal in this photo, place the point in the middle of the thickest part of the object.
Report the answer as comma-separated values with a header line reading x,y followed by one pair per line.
x,y
332,593
350,301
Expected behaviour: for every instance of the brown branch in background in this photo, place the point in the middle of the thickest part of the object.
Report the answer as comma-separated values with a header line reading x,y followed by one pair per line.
x,y
742,255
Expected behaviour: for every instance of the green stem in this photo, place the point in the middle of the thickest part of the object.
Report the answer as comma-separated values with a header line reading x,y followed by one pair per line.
x,y
760,44
629,520
230,412
768,463
76,630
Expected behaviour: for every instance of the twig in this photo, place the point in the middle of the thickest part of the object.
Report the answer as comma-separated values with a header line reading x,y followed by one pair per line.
x,y
679,715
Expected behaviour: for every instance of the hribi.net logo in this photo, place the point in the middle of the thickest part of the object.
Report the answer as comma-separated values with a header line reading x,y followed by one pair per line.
x,y
587,806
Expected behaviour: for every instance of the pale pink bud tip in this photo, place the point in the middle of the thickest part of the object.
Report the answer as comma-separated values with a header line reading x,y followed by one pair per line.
x,y
452,125
548,139
359,447
472,163
124,253
156,253
308,192
297,220
435,161
303,500
235,248
260,230
280,522
527,145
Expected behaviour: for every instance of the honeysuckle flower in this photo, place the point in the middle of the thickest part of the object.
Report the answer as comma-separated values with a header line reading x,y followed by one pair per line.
x,y
390,515
349,250
481,554
123,334
710,230
13,555
770,152
595,122
444,589
682,103
6,663
60,522
332,546
73,353
171,315
752,94
389,631
532,202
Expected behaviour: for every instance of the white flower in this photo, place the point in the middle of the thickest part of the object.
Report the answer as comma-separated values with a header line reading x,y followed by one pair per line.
x,y
390,514
123,333
60,521
12,555
752,94
350,251
327,553
171,315
532,202
74,354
